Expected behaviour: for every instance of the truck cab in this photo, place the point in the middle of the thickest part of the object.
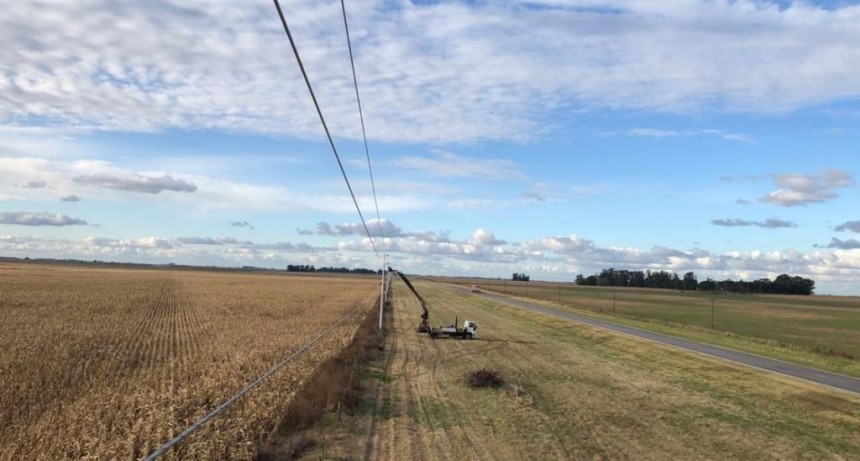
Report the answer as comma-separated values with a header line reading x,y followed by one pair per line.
x,y
470,328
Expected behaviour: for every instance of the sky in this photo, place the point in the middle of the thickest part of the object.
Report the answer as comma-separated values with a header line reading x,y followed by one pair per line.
x,y
547,137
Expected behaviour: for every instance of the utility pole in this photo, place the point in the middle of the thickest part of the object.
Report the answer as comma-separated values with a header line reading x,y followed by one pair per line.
x,y
382,291
559,294
613,302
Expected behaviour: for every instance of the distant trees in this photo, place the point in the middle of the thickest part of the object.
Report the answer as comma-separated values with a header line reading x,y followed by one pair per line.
x,y
690,281
311,268
300,268
784,284
517,277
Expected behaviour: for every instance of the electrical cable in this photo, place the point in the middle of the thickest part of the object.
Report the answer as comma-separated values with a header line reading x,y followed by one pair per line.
x,y
363,131
325,126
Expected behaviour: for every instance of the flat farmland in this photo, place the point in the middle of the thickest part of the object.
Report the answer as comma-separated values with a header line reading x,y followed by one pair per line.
x,y
819,331
111,363
575,392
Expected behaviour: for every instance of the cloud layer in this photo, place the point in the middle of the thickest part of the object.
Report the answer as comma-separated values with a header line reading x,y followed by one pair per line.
x,y
39,219
482,253
770,223
430,71
796,189
853,226
137,183
848,244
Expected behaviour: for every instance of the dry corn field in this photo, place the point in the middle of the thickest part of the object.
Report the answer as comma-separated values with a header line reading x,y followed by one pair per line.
x,y
111,363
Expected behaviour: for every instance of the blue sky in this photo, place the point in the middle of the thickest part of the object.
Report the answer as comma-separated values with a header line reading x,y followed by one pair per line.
x,y
550,137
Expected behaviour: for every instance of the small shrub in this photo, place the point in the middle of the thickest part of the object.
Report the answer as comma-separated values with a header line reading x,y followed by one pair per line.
x,y
485,378
833,353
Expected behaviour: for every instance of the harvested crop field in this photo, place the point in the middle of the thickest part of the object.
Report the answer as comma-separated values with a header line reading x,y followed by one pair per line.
x,y
110,363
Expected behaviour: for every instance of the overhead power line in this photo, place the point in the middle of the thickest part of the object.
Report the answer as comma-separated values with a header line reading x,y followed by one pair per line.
x,y
363,131
325,126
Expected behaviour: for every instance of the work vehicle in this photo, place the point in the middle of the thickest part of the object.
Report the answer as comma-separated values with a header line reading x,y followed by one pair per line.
x,y
469,330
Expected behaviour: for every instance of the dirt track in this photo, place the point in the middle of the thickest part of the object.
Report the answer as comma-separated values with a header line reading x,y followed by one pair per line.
x,y
421,431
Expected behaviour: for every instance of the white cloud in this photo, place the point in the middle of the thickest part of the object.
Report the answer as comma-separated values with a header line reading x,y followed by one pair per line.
x,y
482,246
129,243
208,241
436,72
770,223
553,257
536,196
652,133
484,237
70,177
377,228
847,244
853,226
802,189
137,183
34,185
241,224
663,133
39,219
448,164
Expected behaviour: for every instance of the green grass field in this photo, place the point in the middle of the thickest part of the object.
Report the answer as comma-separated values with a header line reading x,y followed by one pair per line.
x,y
573,392
821,331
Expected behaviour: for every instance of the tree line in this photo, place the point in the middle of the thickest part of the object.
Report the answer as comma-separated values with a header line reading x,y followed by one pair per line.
x,y
518,277
784,284
345,270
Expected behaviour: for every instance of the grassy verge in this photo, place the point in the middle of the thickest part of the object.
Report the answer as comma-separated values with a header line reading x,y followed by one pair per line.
x,y
589,394
772,348
824,325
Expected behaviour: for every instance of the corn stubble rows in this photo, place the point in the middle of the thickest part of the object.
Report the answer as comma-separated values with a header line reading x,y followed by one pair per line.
x,y
109,364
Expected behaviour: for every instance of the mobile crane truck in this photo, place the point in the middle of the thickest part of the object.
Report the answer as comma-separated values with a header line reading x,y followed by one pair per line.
x,y
468,331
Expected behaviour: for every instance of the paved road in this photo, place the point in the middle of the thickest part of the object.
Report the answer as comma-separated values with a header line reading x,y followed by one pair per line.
x,y
842,382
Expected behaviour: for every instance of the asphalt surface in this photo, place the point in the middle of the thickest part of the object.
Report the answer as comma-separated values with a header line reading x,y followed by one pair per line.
x,y
834,380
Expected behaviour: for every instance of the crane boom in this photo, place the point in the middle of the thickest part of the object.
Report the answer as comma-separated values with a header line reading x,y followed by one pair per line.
x,y
423,327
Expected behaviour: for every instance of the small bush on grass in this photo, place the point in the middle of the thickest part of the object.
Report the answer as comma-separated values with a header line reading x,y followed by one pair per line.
x,y
485,378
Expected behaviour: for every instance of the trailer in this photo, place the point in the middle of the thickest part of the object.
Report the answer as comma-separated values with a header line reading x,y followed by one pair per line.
x,y
469,330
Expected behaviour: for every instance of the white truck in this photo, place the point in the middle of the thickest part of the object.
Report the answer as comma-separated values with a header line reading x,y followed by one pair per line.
x,y
469,330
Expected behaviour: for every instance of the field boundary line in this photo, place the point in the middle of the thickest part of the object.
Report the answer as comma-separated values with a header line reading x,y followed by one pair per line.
x,y
220,409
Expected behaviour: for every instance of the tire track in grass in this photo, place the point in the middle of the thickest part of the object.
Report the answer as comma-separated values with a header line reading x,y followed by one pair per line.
x,y
404,433
381,398
476,354
443,431
464,349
